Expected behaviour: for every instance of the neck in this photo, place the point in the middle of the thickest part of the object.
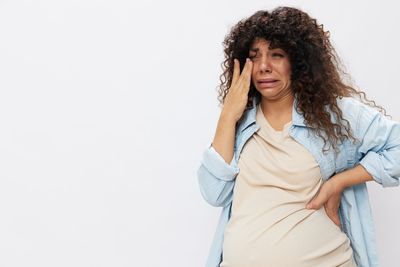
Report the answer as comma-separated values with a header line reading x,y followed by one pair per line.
x,y
278,108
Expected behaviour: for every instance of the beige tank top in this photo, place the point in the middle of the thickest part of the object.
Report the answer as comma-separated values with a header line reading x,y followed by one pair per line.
x,y
269,224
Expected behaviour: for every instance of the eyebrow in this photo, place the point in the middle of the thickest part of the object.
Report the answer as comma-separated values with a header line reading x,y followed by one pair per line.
x,y
257,49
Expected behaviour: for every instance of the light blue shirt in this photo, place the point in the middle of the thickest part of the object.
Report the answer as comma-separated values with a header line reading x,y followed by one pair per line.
x,y
378,151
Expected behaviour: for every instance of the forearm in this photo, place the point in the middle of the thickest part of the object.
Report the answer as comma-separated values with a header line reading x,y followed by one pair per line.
x,y
224,137
353,176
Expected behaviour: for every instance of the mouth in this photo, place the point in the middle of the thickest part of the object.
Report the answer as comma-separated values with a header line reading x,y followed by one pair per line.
x,y
270,80
267,82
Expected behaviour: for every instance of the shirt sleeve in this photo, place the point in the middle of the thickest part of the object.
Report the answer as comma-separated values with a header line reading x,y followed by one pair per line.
x,y
216,178
379,147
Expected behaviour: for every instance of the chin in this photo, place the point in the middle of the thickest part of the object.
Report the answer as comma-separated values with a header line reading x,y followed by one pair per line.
x,y
269,91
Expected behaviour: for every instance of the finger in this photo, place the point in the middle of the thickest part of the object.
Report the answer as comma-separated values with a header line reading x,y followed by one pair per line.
x,y
333,215
248,66
236,70
310,204
245,76
336,220
248,70
316,202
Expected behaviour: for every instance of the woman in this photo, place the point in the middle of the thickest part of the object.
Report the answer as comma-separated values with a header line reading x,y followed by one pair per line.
x,y
293,150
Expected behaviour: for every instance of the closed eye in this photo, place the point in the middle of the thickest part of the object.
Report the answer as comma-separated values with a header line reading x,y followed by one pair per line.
x,y
277,55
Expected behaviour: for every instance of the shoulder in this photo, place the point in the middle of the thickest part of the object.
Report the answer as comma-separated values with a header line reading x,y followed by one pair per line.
x,y
349,106
248,118
364,118
355,111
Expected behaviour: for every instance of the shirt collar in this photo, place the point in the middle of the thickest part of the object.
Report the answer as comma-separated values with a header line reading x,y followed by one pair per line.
x,y
249,117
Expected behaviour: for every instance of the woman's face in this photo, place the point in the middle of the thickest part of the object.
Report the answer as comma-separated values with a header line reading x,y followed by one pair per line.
x,y
271,70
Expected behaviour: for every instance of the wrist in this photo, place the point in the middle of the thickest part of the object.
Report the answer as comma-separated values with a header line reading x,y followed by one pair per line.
x,y
353,176
227,117
339,181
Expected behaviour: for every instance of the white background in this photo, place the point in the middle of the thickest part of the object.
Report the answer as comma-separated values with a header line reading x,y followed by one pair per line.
x,y
107,106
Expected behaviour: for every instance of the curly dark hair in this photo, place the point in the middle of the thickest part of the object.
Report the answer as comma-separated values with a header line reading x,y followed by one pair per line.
x,y
317,75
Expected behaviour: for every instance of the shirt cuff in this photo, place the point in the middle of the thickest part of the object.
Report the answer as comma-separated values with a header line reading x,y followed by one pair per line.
x,y
217,166
372,162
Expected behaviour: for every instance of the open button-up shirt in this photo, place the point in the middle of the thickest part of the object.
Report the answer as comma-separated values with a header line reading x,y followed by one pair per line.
x,y
377,150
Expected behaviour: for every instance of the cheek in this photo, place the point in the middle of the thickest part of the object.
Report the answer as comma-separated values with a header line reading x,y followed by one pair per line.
x,y
253,73
256,67
288,68
286,71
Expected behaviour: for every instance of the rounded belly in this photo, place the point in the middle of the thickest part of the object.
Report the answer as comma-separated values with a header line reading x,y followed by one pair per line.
x,y
300,238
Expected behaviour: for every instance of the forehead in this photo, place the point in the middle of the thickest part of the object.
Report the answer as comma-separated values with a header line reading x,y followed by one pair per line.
x,y
257,42
262,44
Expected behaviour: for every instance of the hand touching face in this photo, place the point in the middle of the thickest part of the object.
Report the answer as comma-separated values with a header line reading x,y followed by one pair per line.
x,y
236,99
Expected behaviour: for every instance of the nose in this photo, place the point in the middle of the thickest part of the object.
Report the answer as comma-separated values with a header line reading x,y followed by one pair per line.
x,y
265,65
